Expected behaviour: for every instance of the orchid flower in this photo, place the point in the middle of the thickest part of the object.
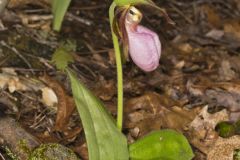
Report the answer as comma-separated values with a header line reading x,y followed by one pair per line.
x,y
143,44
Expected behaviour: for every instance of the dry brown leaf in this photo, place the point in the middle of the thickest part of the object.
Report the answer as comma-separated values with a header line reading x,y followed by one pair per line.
x,y
180,64
237,3
20,3
215,34
105,89
151,102
224,148
12,82
71,135
213,17
153,111
185,48
65,105
202,132
233,28
9,79
204,119
82,150
47,137
49,97
226,72
224,94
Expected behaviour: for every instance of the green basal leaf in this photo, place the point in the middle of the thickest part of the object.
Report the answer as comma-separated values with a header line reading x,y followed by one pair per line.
x,y
128,2
59,8
104,140
161,145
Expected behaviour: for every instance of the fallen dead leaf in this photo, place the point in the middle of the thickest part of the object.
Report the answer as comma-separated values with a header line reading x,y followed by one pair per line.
x,y
224,148
105,90
153,111
49,97
202,132
204,119
52,93
82,150
65,106
215,34
237,3
12,82
226,72
232,28
9,79
71,135
180,65
185,48
213,18
20,3
218,94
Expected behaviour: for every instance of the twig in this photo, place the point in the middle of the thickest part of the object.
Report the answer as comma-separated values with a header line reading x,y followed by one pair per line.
x,y
182,14
24,69
35,17
70,16
17,53
46,62
1,156
90,7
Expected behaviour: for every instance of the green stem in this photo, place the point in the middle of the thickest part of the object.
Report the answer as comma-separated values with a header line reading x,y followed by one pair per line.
x,y
119,68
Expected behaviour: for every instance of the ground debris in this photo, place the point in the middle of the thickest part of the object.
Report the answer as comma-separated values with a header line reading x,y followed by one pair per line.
x,y
65,105
14,135
224,148
221,94
199,67
202,132
153,111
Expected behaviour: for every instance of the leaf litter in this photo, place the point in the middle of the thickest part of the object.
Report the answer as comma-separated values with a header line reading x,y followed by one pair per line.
x,y
195,87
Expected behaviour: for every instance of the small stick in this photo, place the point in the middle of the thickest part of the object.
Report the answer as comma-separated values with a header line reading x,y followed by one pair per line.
x,y
182,14
18,54
76,18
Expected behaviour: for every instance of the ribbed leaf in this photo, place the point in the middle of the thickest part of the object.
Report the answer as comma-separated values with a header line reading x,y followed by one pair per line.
x,y
104,140
128,2
59,8
161,145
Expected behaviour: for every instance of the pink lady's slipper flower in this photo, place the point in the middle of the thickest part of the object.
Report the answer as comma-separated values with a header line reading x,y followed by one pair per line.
x,y
141,43
144,45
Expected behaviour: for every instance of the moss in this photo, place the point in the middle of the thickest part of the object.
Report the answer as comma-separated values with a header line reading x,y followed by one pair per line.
x,y
52,152
11,154
24,147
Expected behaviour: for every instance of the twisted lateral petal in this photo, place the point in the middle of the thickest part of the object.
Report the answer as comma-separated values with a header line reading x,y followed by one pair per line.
x,y
144,47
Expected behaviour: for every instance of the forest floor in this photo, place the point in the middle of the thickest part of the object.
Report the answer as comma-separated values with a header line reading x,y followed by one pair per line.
x,y
196,86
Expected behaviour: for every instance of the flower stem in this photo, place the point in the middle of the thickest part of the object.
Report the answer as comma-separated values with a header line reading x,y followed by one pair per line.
x,y
119,69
